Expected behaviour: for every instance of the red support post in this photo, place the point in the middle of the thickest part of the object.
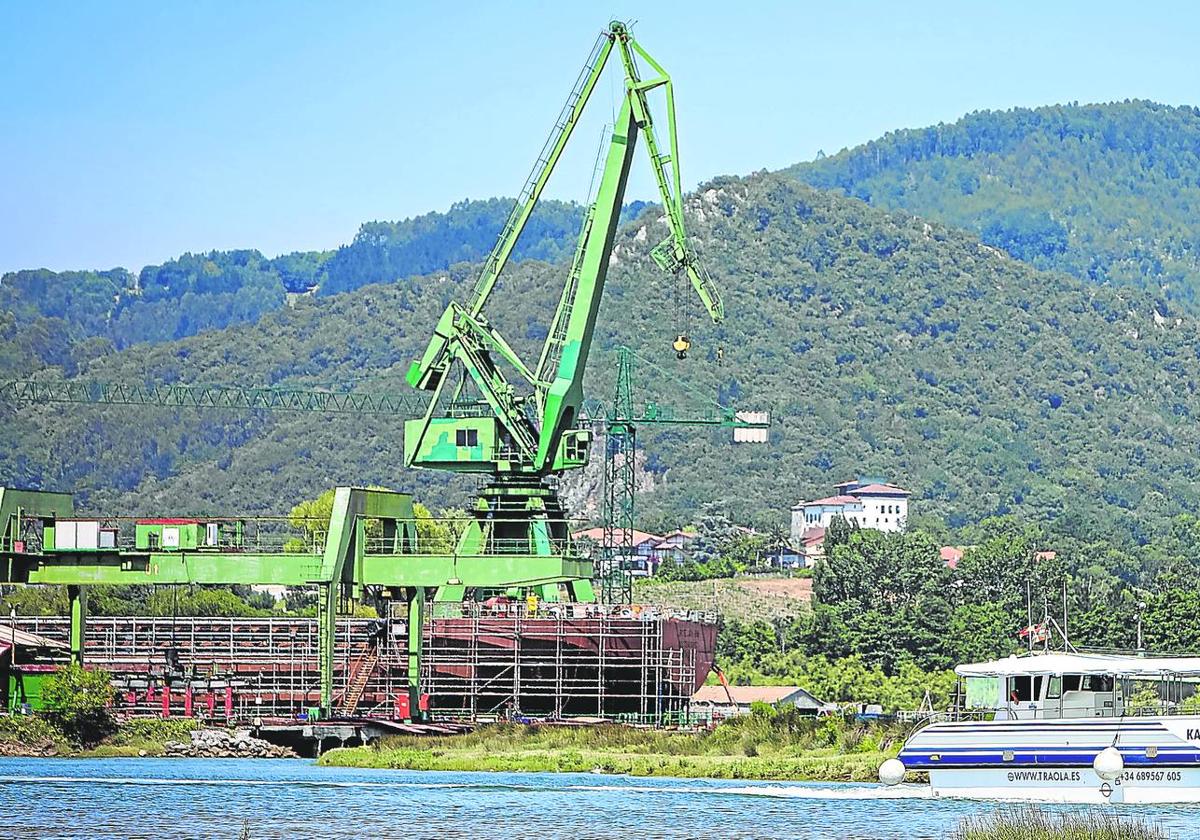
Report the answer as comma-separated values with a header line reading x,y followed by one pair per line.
x,y
228,702
166,701
187,700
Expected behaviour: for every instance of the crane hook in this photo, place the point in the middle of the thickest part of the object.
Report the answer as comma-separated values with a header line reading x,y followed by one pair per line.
x,y
681,345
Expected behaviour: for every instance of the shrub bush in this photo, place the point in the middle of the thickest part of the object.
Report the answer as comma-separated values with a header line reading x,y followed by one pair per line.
x,y
81,701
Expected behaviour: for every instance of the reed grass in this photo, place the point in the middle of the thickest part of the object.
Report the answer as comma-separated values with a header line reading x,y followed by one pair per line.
x,y
1030,822
765,745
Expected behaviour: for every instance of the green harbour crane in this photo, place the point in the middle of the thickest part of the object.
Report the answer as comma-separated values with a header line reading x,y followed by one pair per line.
x,y
521,429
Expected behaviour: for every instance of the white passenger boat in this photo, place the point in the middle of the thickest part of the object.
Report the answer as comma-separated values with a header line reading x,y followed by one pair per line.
x,y
1060,727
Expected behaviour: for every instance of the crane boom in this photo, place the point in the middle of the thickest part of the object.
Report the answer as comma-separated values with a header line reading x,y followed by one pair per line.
x,y
540,175
88,391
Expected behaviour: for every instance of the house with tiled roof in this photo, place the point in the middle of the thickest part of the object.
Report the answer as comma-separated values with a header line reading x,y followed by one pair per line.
x,y
950,555
675,546
866,502
649,550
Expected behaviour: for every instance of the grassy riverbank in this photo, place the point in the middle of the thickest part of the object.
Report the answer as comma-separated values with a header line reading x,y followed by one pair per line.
x,y
32,735
765,745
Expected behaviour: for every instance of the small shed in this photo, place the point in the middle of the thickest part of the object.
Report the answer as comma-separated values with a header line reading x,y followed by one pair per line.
x,y
26,661
715,699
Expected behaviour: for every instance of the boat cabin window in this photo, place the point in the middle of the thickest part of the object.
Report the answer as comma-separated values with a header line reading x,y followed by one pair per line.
x,y
1087,682
1024,689
1054,690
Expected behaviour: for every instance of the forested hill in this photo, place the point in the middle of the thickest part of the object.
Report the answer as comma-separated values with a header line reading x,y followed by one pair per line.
x,y
64,318
1110,193
1106,192
882,343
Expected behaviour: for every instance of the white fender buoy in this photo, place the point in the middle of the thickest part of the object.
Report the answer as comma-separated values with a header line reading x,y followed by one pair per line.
x,y
1108,764
891,772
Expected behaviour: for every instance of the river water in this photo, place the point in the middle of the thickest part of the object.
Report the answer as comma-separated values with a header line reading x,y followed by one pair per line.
x,y
216,798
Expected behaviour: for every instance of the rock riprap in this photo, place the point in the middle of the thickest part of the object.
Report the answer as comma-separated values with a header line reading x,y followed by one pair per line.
x,y
225,743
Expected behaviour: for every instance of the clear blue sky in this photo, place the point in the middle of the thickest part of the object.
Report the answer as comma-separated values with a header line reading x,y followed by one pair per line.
x,y
131,132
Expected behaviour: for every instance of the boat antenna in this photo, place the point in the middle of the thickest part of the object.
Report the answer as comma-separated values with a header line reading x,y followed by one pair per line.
x,y
1066,640
1046,619
1028,615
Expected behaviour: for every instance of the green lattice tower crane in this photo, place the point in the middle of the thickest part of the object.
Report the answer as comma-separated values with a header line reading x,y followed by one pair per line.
x,y
620,423
616,421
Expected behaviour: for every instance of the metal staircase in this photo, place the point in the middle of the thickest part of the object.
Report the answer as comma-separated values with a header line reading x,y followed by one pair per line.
x,y
363,669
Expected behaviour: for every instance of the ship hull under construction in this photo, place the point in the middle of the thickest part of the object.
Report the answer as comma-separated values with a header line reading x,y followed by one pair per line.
x,y
562,661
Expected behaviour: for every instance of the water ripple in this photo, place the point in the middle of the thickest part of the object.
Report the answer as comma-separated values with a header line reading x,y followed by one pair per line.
x,y
186,798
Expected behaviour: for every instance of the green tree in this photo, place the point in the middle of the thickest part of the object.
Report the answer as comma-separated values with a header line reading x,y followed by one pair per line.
x,y
201,601
33,600
1169,619
440,534
81,699
883,596
838,532
715,534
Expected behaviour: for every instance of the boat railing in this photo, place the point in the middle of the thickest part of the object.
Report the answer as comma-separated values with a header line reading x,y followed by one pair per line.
x,y
1162,709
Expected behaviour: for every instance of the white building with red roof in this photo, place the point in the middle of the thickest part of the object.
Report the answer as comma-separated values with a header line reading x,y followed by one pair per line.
x,y
865,502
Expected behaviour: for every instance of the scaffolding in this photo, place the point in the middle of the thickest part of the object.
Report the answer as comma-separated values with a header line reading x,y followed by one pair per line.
x,y
507,661
271,664
561,661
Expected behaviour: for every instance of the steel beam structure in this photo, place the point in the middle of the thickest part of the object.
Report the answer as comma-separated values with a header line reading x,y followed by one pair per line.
x,y
348,562
558,661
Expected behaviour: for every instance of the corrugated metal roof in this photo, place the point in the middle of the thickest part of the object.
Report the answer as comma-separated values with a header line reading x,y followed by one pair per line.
x,y
24,639
746,694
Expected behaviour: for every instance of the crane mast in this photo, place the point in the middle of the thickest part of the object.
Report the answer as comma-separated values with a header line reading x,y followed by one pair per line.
x,y
521,427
